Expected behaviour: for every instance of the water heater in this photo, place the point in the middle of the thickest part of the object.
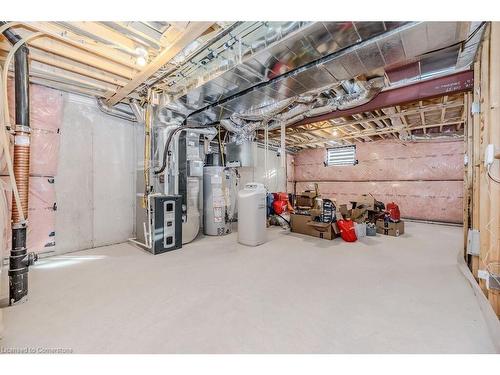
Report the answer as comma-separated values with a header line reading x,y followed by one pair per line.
x,y
217,203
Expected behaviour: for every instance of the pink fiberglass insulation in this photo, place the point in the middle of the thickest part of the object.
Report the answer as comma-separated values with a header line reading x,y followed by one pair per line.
x,y
424,179
41,212
422,200
385,161
46,107
46,110
42,193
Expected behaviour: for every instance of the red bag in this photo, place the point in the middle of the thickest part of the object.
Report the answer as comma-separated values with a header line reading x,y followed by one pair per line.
x,y
347,231
280,206
393,210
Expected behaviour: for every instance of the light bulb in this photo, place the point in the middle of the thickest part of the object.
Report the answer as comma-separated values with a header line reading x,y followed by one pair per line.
x,y
335,133
141,61
141,56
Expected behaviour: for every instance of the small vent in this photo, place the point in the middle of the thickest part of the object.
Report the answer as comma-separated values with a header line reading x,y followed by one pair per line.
x,y
337,156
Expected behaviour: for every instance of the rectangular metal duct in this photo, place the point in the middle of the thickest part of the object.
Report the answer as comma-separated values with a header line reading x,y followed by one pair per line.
x,y
383,46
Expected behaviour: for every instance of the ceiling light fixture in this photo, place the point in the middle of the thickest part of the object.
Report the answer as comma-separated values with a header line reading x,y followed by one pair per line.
x,y
142,56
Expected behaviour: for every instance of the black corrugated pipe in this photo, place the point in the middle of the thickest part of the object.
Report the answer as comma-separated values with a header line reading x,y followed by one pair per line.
x,y
20,260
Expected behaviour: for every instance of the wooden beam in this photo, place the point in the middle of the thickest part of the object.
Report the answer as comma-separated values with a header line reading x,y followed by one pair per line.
x,y
493,259
75,54
383,131
39,70
103,32
192,32
68,37
293,130
484,200
443,112
447,85
87,71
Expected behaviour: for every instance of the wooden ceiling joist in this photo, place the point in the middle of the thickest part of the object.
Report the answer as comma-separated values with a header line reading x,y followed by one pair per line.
x,y
376,132
347,124
56,48
192,32
66,36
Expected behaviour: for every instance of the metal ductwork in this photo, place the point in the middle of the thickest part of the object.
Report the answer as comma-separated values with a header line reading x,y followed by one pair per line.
x,y
20,260
115,112
292,110
139,112
273,73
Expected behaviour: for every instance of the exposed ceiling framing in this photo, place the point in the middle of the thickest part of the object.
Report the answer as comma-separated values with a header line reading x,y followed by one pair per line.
x,y
235,66
420,119
100,58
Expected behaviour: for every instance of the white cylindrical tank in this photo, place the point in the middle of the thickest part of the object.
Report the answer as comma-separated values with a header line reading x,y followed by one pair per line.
x,y
252,214
216,201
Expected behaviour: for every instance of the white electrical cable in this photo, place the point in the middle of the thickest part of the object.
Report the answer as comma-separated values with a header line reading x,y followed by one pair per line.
x,y
6,69
8,159
491,176
6,116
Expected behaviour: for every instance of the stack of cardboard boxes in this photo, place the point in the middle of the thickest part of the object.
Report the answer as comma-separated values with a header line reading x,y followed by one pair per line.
x,y
303,220
303,224
364,209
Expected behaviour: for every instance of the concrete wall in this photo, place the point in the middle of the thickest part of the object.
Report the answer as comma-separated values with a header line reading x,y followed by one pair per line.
x,y
425,179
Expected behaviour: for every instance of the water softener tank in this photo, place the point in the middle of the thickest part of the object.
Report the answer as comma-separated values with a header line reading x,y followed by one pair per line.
x,y
216,201
252,214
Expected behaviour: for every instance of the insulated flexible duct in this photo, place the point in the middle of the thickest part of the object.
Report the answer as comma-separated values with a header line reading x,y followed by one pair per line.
x,y
295,109
115,112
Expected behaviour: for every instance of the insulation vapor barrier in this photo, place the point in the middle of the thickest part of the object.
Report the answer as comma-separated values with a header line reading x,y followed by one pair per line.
x,y
95,184
46,110
425,179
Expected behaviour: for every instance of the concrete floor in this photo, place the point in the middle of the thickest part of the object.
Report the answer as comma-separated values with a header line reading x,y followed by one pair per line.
x,y
295,294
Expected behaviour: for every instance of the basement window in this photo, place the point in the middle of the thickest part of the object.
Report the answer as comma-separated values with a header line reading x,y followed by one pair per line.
x,y
344,155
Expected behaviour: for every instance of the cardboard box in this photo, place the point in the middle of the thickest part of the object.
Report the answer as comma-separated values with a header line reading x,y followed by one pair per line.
x,y
359,215
364,201
343,209
303,224
305,199
390,228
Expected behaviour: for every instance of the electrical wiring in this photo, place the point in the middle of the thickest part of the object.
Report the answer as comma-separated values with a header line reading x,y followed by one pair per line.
x,y
490,264
221,148
6,70
463,43
496,179
147,150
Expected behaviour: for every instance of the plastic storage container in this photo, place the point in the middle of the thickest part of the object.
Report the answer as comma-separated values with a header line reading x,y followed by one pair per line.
x,y
252,214
371,229
360,229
